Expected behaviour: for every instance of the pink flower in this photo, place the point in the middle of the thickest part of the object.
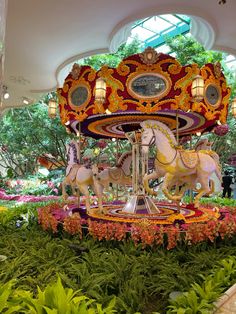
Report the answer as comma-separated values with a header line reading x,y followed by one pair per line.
x,y
55,191
50,184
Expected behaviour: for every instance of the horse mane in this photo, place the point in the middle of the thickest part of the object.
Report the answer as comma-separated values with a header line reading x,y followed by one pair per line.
x,y
153,125
123,158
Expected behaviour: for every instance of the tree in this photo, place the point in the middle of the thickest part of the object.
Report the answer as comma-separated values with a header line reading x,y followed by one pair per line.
x,y
187,50
27,133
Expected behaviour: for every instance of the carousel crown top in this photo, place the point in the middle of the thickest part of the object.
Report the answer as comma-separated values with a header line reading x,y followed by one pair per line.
x,y
149,85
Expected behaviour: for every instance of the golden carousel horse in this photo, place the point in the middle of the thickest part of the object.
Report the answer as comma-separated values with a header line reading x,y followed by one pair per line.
x,y
178,166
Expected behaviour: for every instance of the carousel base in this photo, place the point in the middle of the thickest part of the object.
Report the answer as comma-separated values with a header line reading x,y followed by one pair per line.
x,y
142,204
168,214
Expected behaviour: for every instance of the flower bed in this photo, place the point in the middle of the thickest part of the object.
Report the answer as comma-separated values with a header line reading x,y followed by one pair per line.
x,y
26,198
169,236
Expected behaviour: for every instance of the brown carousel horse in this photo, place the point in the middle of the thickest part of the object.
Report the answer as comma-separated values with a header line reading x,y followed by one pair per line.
x,y
178,165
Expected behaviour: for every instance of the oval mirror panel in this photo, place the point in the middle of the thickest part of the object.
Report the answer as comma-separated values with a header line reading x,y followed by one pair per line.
x,y
79,96
212,94
148,85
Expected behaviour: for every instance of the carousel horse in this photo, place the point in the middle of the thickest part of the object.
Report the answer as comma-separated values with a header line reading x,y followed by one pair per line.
x,y
176,165
120,174
80,177
83,180
73,165
203,144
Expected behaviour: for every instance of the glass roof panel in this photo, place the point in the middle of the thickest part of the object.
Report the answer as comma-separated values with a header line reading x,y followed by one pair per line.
x,y
172,18
157,24
141,33
150,30
163,49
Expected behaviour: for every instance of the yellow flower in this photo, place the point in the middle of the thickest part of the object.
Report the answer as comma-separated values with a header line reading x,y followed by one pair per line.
x,y
2,208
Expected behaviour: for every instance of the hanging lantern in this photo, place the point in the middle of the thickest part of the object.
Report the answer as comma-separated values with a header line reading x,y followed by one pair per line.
x,y
100,90
52,108
234,107
198,88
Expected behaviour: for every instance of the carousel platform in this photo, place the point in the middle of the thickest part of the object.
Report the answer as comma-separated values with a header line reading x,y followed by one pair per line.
x,y
169,213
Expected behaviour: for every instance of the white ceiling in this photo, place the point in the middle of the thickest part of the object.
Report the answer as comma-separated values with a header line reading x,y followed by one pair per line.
x,y
43,37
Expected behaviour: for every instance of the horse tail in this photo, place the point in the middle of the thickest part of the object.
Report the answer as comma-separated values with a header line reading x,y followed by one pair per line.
x,y
216,158
147,188
218,172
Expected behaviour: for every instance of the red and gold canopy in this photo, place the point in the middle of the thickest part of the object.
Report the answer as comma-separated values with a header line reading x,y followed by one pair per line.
x,y
148,85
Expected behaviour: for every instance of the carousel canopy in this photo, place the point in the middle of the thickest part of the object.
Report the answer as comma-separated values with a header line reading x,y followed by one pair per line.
x,y
149,85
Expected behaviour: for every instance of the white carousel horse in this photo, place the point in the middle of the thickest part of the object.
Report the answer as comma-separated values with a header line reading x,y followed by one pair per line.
x,y
175,164
80,177
72,154
120,174
83,179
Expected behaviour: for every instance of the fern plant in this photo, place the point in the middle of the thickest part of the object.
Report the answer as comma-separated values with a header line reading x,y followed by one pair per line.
x,y
54,299
59,300
200,298
8,302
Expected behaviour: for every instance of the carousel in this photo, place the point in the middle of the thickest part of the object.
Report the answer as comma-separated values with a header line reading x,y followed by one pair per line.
x,y
157,105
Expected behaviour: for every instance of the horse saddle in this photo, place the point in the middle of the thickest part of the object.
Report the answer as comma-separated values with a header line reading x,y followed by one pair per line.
x,y
189,158
115,173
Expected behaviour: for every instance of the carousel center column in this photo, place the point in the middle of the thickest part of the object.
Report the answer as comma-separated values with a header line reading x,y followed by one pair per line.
x,y
139,202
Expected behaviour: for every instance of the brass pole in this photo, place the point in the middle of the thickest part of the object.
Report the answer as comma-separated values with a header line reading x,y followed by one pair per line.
x,y
79,142
177,127
191,142
190,190
117,151
177,139
79,160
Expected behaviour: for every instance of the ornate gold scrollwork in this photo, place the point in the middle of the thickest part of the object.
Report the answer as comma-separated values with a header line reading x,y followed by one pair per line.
x,y
149,56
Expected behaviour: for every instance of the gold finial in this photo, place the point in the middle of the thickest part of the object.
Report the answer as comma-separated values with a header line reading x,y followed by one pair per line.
x,y
75,71
149,56
217,69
